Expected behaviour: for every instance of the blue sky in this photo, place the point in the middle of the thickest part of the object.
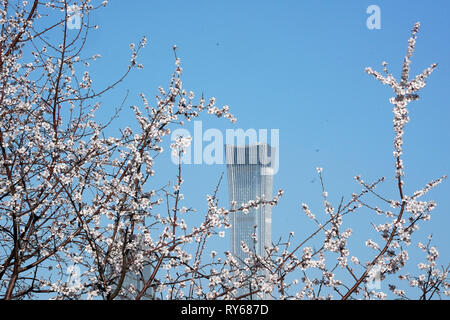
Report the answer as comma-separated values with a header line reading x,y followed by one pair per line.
x,y
296,66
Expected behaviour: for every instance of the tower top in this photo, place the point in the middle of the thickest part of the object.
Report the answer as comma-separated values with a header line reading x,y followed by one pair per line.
x,y
254,154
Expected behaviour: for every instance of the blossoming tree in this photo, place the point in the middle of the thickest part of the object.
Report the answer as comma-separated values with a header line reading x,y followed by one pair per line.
x,y
80,205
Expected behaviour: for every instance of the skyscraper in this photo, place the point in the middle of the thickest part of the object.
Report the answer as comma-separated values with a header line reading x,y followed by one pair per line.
x,y
250,176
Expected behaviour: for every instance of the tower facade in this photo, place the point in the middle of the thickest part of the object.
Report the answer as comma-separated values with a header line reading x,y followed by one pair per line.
x,y
250,176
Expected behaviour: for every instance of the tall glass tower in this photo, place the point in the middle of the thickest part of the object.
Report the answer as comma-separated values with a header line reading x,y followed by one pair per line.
x,y
250,176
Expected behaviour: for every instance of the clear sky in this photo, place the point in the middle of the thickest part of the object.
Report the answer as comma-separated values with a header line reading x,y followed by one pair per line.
x,y
296,66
